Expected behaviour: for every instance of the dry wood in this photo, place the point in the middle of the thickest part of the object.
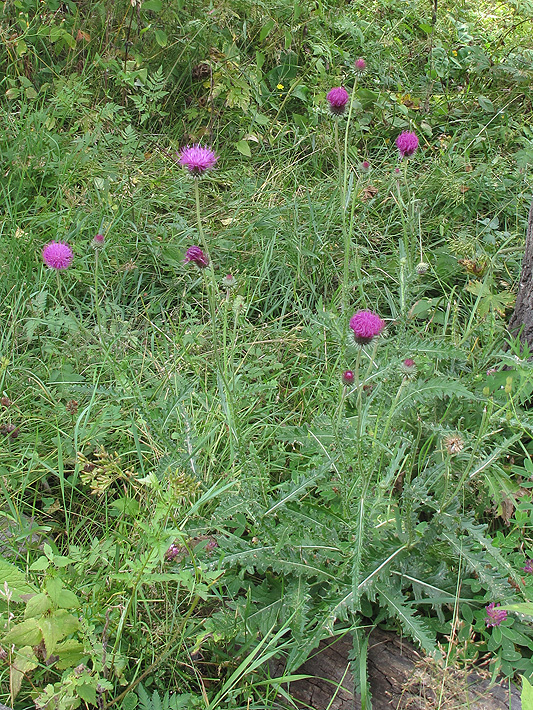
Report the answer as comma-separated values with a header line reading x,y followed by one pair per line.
x,y
400,679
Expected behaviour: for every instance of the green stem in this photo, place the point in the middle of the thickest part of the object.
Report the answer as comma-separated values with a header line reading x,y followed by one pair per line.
x,y
212,293
96,299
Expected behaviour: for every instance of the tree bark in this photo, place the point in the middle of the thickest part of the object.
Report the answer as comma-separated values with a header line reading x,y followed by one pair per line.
x,y
521,323
400,679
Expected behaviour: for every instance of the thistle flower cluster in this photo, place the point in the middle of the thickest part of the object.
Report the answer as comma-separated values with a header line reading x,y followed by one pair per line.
x,y
196,256
197,159
338,100
407,143
366,326
58,256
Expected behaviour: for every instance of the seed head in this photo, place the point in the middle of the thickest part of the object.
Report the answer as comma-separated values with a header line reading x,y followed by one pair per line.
x,y
422,268
197,159
338,100
454,444
365,325
57,255
407,143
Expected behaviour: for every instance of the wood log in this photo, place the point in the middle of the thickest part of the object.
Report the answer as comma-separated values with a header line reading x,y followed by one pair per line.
x,y
400,679
521,322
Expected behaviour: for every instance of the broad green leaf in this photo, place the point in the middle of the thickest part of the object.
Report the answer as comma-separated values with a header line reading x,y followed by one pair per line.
x,y
87,691
26,633
267,29
244,148
67,600
54,587
37,606
70,652
153,5
527,694
161,38
68,623
40,564
15,580
52,633
23,661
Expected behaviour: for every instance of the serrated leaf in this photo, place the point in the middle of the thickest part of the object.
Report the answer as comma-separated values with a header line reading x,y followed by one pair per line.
x,y
37,606
27,633
24,660
70,652
54,587
67,600
87,691
15,580
40,564
52,633
412,625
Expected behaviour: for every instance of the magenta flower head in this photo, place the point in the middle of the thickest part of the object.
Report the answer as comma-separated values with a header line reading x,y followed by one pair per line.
x,y
365,325
360,64
495,615
197,159
196,256
407,143
98,238
58,255
365,166
348,377
338,100
408,367
528,567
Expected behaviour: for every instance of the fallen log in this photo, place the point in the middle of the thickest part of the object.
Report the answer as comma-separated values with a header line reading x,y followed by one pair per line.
x,y
400,679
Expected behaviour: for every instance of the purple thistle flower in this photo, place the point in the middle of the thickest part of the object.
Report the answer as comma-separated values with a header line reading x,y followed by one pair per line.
x,y
365,325
337,99
197,159
197,256
407,143
57,255
360,64
528,567
348,377
495,615
98,238
365,166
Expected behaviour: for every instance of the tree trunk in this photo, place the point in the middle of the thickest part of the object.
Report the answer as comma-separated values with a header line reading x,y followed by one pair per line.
x,y
521,323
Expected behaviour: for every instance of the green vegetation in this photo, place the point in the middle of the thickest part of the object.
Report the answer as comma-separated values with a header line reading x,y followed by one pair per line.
x,y
188,486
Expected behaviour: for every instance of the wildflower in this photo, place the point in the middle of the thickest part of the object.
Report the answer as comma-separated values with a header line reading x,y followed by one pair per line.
x,y
229,280
347,377
280,87
360,65
98,240
407,143
337,99
365,166
197,256
197,159
9,430
365,325
173,551
454,444
58,255
491,371
397,170
495,615
528,567
408,366
422,268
